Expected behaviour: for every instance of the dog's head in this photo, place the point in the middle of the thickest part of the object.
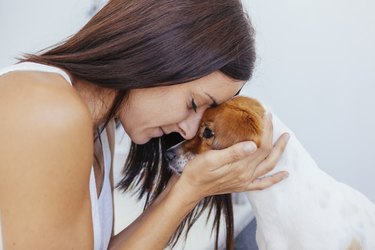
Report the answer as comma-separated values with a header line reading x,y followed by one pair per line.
x,y
239,119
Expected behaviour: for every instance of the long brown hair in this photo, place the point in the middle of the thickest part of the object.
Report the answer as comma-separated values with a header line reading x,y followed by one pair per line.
x,y
147,43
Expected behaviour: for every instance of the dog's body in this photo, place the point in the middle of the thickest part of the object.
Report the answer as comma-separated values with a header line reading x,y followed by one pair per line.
x,y
309,209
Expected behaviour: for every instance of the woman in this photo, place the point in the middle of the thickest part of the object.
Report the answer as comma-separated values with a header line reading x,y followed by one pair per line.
x,y
154,66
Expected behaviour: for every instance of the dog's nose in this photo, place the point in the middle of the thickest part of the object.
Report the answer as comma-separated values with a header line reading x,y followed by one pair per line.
x,y
170,155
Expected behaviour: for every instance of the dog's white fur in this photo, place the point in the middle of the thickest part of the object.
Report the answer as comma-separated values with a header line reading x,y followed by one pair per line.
x,y
309,210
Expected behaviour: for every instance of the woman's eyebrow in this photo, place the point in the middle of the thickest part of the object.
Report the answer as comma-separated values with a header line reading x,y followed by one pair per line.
x,y
214,102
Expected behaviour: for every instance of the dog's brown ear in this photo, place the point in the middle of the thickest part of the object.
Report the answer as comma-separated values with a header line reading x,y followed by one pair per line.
x,y
240,119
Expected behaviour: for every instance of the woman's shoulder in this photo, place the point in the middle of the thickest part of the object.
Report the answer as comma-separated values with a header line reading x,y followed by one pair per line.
x,y
43,112
46,148
42,95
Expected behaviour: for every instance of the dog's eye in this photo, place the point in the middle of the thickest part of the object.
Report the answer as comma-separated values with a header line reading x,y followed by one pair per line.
x,y
207,133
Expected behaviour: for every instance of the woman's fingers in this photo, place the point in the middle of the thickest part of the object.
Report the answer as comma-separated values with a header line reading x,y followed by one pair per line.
x,y
271,160
231,154
237,168
267,136
267,139
217,164
267,181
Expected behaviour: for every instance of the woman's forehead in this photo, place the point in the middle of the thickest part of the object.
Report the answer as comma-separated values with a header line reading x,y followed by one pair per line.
x,y
217,86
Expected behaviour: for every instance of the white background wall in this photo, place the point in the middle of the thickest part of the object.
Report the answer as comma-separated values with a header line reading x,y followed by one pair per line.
x,y
315,68
29,26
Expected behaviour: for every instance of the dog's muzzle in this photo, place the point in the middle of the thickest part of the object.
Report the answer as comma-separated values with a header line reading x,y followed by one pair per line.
x,y
177,158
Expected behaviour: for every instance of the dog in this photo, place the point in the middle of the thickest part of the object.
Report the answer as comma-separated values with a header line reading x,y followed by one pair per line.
x,y
309,210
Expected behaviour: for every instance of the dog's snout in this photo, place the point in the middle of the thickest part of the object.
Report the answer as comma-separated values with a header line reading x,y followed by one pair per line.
x,y
177,158
170,155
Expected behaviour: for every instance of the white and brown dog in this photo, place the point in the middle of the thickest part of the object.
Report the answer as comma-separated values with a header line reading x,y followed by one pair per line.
x,y
308,210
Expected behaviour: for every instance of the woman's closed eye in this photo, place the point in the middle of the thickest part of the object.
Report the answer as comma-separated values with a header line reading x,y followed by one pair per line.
x,y
194,105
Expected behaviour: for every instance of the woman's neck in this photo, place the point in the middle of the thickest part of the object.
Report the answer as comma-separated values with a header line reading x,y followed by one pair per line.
x,y
98,100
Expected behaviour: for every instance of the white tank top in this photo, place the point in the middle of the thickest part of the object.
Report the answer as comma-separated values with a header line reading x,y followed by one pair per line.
x,y
102,206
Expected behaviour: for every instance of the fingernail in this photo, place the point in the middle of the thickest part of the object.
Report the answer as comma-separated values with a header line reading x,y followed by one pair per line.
x,y
249,147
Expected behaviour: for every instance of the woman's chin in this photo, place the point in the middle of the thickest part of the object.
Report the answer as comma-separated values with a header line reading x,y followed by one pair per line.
x,y
143,140
140,140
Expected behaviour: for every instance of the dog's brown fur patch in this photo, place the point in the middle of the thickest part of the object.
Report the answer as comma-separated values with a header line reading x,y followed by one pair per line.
x,y
239,119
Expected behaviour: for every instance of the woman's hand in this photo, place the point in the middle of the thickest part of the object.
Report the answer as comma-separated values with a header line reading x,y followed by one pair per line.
x,y
238,168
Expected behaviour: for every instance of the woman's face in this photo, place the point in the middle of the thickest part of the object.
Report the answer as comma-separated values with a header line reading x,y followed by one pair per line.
x,y
152,112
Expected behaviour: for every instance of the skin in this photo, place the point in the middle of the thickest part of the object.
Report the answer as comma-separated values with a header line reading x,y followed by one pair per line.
x,y
43,184
169,109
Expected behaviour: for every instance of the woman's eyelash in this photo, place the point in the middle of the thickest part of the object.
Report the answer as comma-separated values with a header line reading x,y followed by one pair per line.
x,y
194,105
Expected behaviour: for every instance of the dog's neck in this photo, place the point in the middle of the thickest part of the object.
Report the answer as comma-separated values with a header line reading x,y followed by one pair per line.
x,y
309,209
301,173
302,170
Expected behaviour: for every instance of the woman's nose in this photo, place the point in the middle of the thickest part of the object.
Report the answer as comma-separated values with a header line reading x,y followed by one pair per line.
x,y
189,126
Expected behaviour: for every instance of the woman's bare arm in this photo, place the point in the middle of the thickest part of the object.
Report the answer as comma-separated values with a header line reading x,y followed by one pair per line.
x,y
45,160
